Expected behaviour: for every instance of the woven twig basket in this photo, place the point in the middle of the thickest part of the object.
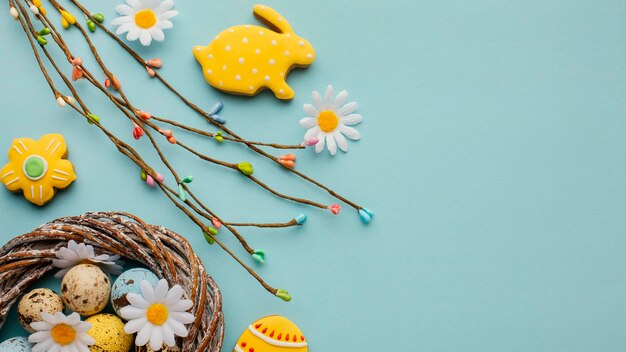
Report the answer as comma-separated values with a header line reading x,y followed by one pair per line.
x,y
25,259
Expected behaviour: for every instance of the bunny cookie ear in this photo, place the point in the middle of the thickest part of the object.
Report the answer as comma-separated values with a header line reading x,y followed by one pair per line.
x,y
272,19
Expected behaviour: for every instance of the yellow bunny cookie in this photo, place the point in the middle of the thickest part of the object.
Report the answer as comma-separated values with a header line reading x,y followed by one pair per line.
x,y
247,59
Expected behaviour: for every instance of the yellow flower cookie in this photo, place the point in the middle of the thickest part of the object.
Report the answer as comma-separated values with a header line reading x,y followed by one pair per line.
x,y
272,334
247,59
37,168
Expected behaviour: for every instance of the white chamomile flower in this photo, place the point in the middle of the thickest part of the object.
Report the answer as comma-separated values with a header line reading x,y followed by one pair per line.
x,y
157,315
80,253
329,121
61,333
145,19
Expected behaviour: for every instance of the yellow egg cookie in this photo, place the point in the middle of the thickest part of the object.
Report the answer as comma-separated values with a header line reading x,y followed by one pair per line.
x,y
247,59
272,334
38,167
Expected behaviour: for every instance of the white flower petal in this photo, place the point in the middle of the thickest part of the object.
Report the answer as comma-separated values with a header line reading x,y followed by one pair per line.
x,y
312,133
310,109
145,38
156,338
352,119
161,291
178,328
137,300
157,34
183,317
133,34
55,348
165,25
44,345
143,336
168,335
348,109
329,97
332,145
320,145
308,122
86,339
148,292
130,313
39,336
41,325
174,295
124,10
350,132
181,306
167,15
342,143
317,100
341,98
165,6
135,325
134,3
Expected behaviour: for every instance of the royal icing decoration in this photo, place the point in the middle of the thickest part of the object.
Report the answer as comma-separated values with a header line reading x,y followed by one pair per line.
x,y
247,59
38,167
272,334
329,121
144,20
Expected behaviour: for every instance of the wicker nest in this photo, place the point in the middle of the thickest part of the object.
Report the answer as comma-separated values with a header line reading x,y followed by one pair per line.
x,y
27,258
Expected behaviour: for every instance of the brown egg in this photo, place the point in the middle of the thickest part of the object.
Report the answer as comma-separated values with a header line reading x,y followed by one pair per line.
x,y
86,289
34,303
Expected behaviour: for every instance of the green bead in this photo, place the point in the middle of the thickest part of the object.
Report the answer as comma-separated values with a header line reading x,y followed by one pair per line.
x,y
246,168
212,230
208,238
93,118
91,25
99,17
41,40
45,31
181,193
283,294
143,175
259,256
187,179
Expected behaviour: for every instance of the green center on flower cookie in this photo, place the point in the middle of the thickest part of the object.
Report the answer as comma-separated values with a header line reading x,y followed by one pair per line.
x,y
35,167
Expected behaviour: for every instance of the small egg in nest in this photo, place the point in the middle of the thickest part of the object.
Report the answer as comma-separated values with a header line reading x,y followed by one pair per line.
x,y
34,303
108,331
15,344
86,289
130,281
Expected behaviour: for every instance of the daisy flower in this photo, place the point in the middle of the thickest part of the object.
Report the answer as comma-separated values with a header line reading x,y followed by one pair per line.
x,y
329,121
145,19
157,314
61,333
80,253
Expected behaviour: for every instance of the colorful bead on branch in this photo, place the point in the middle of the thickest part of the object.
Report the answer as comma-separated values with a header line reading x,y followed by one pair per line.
x,y
366,215
14,13
137,132
168,135
40,7
287,160
335,209
149,179
67,19
77,71
301,218
246,168
219,137
143,115
115,84
153,64
259,255
213,113
209,233
181,189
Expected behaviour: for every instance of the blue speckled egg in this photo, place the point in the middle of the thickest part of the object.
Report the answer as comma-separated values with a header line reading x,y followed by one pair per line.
x,y
130,281
15,344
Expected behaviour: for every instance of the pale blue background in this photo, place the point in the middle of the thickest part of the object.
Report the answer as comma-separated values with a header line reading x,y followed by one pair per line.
x,y
493,151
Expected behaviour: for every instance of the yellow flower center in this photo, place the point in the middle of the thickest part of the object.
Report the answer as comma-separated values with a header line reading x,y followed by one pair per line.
x,y
63,334
145,18
157,314
327,120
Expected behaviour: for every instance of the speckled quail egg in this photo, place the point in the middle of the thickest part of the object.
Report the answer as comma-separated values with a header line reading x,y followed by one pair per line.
x,y
15,344
86,289
35,302
108,331
130,281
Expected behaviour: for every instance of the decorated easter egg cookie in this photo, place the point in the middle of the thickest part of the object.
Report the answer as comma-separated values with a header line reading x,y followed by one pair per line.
x,y
272,334
38,167
247,59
